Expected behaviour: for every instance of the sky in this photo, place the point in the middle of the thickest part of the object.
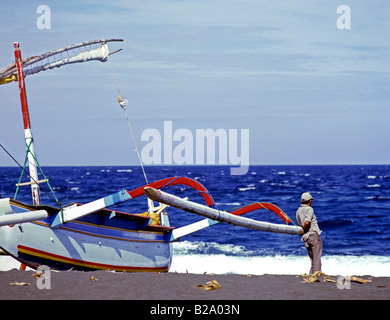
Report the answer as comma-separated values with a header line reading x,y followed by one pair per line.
x,y
307,91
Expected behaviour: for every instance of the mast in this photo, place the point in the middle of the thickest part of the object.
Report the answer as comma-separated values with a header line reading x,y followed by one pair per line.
x,y
27,129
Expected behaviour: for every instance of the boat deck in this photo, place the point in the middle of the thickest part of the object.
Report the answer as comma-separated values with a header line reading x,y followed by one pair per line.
x,y
104,217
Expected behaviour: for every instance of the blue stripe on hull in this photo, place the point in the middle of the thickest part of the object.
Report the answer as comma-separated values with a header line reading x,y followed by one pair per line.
x,y
110,232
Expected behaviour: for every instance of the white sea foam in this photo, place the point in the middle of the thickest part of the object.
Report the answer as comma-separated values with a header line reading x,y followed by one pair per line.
x,y
377,266
228,203
189,248
248,187
237,260
8,263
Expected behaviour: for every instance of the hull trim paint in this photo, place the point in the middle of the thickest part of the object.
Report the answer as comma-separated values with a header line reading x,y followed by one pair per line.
x,y
26,253
95,232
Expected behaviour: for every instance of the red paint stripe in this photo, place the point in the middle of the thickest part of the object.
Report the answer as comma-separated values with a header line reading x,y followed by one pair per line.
x,y
22,88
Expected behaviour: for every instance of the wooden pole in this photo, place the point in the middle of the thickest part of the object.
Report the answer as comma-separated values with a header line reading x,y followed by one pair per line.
x,y
35,191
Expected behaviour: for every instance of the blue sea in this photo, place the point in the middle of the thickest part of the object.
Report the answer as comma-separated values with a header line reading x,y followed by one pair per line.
x,y
352,205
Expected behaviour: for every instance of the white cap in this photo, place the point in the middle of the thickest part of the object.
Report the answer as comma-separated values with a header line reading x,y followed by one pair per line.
x,y
306,196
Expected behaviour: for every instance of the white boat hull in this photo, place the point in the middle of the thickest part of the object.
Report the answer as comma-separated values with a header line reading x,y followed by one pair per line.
x,y
84,245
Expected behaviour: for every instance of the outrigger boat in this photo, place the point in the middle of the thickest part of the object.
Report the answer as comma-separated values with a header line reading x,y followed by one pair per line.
x,y
95,235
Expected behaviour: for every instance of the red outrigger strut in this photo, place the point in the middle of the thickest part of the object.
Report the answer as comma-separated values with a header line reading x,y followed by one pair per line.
x,y
175,181
262,205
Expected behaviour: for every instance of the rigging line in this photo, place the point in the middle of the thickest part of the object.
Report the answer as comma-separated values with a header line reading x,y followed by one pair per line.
x,y
40,168
113,74
16,161
135,144
128,122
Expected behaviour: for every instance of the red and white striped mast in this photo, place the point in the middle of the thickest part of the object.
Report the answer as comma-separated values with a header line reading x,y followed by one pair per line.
x,y
32,163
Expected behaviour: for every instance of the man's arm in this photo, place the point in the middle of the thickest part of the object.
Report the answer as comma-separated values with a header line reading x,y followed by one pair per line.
x,y
306,226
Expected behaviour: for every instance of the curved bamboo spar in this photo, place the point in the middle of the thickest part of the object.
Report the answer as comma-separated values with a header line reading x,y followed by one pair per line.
x,y
223,216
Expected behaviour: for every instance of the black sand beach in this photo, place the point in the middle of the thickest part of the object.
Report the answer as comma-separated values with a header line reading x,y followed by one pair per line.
x,y
103,285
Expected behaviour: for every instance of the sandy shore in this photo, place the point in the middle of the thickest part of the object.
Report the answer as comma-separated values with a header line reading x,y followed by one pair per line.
x,y
105,285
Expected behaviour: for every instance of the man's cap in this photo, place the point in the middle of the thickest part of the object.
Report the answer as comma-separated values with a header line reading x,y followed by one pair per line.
x,y
306,196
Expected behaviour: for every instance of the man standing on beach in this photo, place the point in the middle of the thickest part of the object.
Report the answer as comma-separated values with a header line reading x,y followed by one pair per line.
x,y
311,232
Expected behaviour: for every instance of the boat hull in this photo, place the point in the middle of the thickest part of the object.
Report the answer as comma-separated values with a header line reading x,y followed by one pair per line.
x,y
85,245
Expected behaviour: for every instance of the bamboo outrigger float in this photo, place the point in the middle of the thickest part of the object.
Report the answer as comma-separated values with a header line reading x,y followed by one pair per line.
x,y
94,235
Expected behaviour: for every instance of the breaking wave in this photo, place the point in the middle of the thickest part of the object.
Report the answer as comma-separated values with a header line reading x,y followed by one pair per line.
x,y
231,259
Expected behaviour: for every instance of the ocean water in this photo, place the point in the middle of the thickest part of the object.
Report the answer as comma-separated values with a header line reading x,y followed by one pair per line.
x,y
352,205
